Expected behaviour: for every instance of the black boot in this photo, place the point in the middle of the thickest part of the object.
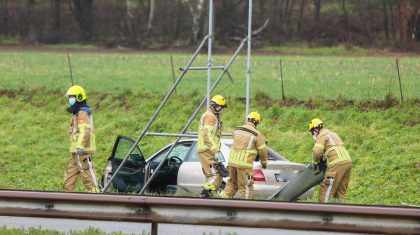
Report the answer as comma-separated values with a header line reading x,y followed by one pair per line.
x,y
205,193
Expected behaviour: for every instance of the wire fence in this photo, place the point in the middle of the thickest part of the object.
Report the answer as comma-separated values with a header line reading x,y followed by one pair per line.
x,y
302,78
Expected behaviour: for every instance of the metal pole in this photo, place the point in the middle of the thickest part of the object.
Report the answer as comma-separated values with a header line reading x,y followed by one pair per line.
x,y
281,80
173,72
209,63
218,79
192,117
248,58
71,74
154,229
156,112
399,79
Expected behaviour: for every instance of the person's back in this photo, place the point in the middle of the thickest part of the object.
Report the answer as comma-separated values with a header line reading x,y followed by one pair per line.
x,y
247,144
330,147
247,140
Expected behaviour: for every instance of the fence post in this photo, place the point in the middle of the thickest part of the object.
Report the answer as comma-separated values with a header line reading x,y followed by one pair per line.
x,y
173,72
399,79
281,80
71,73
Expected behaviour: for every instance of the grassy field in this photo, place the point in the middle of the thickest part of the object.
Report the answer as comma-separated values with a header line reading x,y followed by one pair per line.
x,y
124,90
304,77
383,141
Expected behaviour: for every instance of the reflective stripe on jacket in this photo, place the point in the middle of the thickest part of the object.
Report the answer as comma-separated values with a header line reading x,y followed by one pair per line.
x,y
81,133
330,145
209,131
247,144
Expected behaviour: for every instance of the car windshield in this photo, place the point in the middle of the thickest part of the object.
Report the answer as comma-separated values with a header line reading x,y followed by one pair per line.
x,y
181,151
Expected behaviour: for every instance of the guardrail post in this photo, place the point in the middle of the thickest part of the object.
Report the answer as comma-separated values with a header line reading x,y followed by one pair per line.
x,y
154,229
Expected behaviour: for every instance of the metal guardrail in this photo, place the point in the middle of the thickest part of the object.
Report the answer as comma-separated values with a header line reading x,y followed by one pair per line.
x,y
258,214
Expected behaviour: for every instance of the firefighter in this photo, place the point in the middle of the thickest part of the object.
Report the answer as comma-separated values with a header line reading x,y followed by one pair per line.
x,y
209,132
329,146
248,143
82,143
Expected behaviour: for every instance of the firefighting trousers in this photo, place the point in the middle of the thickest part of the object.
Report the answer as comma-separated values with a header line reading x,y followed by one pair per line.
x,y
335,182
208,164
242,180
82,166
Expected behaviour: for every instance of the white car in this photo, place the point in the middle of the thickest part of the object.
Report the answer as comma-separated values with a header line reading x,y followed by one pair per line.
x,y
182,173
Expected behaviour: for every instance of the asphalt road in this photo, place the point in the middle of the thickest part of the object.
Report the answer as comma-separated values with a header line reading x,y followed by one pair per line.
x,y
67,225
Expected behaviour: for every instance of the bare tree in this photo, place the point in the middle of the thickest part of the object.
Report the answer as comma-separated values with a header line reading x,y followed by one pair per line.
x,y
56,13
178,20
131,20
414,21
301,9
196,8
385,11
317,10
345,17
391,11
150,18
82,12
30,21
4,16
404,12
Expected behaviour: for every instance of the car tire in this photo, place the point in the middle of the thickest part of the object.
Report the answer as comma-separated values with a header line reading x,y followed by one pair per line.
x,y
171,189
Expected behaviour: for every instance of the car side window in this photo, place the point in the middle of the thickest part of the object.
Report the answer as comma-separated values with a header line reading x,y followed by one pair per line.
x,y
194,155
124,145
181,151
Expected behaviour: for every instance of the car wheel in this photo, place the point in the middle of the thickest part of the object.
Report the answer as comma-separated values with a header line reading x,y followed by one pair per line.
x,y
170,189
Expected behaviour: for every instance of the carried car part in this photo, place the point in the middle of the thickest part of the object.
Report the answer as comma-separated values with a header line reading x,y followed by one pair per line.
x,y
304,180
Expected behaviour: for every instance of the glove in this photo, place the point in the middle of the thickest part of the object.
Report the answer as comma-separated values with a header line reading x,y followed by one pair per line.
x,y
264,166
79,151
217,157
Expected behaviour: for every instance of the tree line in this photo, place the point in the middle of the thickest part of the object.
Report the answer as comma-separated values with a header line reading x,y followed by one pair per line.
x,y
172,23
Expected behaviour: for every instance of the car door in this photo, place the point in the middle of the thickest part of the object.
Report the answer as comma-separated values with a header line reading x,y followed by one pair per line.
x,y
190,175
166,177
130,178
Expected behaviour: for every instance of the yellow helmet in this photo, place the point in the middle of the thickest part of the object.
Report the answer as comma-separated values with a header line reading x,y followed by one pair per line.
x,y
254,117
316,122
78,92
219,100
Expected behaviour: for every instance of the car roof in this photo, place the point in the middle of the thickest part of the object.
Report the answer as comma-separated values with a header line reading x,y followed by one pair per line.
x,y
229,142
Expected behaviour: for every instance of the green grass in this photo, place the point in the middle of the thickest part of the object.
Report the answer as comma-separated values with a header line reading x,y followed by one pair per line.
x,y
304,77
383,142
355,96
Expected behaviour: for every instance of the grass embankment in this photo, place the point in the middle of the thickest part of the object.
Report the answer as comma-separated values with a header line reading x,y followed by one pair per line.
x,y
304,77
383,142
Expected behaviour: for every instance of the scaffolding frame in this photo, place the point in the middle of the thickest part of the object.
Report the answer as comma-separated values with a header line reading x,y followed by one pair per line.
x,y
209,68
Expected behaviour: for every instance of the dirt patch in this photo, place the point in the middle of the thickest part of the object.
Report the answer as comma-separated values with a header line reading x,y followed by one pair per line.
x,y
8,93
